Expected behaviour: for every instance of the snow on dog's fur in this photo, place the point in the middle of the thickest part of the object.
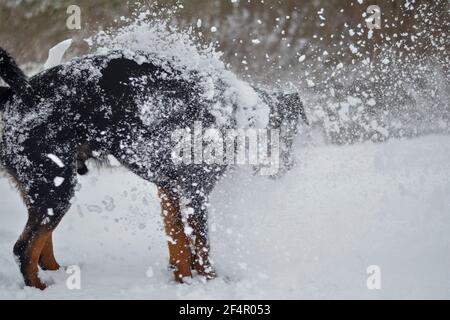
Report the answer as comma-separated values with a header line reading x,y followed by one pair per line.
x,y
126,102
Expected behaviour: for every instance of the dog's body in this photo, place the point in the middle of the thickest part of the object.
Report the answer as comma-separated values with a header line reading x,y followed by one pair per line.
x,y
53,122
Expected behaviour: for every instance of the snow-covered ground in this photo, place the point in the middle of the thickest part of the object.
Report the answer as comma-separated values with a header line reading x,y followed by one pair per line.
x,y
311,234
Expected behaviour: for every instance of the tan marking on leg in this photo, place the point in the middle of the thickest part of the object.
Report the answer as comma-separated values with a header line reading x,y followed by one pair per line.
x,y
179,250
30,260
47,259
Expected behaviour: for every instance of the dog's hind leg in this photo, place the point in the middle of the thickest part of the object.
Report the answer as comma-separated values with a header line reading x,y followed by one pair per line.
x,y
49,189
179,249
35,246
27,250
47,259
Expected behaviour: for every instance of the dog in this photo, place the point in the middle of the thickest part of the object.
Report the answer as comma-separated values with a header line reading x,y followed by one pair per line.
x,y
92,107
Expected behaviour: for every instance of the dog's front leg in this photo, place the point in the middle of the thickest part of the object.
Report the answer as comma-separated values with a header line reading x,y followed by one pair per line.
x,y
198,221
179,250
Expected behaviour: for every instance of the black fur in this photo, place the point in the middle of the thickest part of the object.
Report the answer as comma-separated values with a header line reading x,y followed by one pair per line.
x,y
5,94
92,104
16,79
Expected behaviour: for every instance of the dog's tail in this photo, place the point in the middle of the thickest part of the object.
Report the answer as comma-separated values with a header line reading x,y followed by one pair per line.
x,y
16,78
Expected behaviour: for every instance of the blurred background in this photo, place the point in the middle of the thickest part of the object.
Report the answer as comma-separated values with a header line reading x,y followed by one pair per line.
x,y
312,233
356,85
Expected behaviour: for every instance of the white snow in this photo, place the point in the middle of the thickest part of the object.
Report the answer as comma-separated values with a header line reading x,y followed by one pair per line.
x,y
165,44
58,181
312,234
56,160
55,54
371,102
353,49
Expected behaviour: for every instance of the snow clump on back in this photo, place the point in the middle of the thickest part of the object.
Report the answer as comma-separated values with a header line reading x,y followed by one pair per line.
x,y
229,98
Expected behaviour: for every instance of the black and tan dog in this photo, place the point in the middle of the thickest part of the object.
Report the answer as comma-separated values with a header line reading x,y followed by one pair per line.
x,y
53,121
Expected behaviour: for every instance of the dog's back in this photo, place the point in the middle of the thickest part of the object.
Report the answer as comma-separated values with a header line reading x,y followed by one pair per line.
x,y
112,105
125,107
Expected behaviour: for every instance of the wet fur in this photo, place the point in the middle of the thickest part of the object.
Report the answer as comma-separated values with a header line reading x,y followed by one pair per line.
x,y
103,116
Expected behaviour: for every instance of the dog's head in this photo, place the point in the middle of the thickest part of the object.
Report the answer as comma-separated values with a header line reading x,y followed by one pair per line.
x,y
289,109
286,115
